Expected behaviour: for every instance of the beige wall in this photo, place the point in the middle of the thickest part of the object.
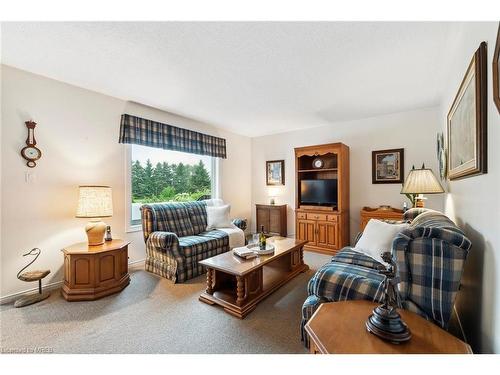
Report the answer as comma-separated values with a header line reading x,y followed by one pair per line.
x,y
414,131
474,203
77,132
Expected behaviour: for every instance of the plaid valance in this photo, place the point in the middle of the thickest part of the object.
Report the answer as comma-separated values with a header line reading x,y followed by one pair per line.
x,y
140,131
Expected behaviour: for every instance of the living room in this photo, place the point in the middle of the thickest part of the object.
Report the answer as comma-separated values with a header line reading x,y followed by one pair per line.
x,y
250,187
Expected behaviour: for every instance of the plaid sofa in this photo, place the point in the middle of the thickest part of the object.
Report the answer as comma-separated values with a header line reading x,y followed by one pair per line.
x,y
176,239
430,255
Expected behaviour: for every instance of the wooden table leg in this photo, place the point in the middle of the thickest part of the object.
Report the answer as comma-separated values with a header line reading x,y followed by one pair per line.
x,y
240,290
210,281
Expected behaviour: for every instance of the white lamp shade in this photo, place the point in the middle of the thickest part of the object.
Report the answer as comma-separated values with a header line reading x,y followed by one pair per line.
x,y
274,191
421,181
94,201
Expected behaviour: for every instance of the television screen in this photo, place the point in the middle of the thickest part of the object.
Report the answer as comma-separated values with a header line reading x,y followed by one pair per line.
x,y
318,192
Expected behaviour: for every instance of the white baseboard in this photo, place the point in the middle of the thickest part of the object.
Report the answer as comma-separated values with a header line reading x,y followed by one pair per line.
x,y
54,285
12,297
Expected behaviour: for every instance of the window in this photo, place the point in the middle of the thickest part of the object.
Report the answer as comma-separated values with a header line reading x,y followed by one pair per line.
x,y
157,175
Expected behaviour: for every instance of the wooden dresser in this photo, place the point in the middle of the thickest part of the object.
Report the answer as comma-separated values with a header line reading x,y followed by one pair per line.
x,y
92,272
380,213
273,218
326,228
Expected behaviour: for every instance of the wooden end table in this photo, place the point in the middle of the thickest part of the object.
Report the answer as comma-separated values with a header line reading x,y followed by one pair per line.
x,y
92,272
238,284
339,327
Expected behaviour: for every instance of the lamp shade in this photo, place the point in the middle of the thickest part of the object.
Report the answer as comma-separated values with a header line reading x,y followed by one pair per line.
x,y
94,201
421,181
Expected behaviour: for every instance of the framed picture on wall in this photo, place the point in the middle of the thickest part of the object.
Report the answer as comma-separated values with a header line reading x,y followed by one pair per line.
x,y
388,166
496,71
275,172
467,136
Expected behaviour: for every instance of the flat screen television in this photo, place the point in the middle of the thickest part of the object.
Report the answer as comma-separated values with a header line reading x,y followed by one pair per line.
x,y
318,192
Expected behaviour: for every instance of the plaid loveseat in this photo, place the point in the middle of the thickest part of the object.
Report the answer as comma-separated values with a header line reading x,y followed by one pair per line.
x,y
430,255
176,239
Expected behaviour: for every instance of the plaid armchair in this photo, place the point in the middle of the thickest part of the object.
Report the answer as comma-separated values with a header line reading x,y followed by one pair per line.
x,y
176,239
430,255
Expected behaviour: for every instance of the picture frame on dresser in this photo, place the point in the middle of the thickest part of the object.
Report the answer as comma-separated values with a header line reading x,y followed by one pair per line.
x,y
388,166
467,121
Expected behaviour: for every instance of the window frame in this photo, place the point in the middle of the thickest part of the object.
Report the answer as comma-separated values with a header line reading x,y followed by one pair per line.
x,y
129,227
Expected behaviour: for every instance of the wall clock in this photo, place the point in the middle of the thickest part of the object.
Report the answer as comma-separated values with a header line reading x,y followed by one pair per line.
x,y
318,163
31,153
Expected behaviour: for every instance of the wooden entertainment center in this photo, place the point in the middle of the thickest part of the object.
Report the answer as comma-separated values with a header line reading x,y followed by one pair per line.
x,y
324,225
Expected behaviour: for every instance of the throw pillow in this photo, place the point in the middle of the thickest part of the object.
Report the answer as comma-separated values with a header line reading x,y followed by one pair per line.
x,y
377,238
214,202
218,217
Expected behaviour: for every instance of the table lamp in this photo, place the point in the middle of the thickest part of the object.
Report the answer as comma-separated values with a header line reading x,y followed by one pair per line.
x,y
273,193
419,182
95,202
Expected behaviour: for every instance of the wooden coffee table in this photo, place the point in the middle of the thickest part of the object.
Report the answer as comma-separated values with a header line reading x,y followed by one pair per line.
x,y
238,285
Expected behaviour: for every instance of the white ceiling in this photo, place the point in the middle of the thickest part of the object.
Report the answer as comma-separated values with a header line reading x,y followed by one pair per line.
x,y
251,78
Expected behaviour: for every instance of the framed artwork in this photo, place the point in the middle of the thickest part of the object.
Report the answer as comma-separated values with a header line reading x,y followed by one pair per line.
x,y
496,71
388,166
441,155
467,136
275,172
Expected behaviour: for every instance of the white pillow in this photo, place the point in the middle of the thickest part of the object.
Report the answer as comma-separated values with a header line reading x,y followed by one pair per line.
x,y
214,202
377,238
218,217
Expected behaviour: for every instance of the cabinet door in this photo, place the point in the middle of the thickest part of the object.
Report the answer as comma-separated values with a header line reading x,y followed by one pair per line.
x,y
306,231
262,219
322,233
274,220
331,234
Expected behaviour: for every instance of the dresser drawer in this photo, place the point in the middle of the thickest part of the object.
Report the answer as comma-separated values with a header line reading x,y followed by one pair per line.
x,y
301,215
332,217
311,216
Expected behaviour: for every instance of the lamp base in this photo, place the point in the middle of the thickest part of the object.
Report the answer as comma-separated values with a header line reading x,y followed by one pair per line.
x,y
419,201
95,232
387,324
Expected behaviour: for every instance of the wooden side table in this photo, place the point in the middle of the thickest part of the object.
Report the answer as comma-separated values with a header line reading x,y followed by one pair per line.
x,y
92,272
339,327
380,213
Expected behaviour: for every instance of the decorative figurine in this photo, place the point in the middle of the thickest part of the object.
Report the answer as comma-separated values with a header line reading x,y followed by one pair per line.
x,y
108,233
29,299
385,322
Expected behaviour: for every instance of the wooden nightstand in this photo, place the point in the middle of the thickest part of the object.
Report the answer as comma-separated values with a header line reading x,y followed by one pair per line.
x,y
380,213
339,327
92,272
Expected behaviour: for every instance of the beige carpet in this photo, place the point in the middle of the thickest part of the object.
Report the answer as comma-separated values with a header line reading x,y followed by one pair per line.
x,y
153,315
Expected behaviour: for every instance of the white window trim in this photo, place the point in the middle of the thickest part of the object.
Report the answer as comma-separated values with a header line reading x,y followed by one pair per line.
x,y
128,192
129,228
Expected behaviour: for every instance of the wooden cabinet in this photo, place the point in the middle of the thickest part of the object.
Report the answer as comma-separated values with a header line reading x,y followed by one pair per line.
x,y
324,225
322,235
92,272
273,218
380,213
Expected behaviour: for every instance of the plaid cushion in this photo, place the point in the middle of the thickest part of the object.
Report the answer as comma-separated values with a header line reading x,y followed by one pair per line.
x,y
431,258
340,282
240,223
198,215
176,258
412,213
171,217
196,248
350,256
